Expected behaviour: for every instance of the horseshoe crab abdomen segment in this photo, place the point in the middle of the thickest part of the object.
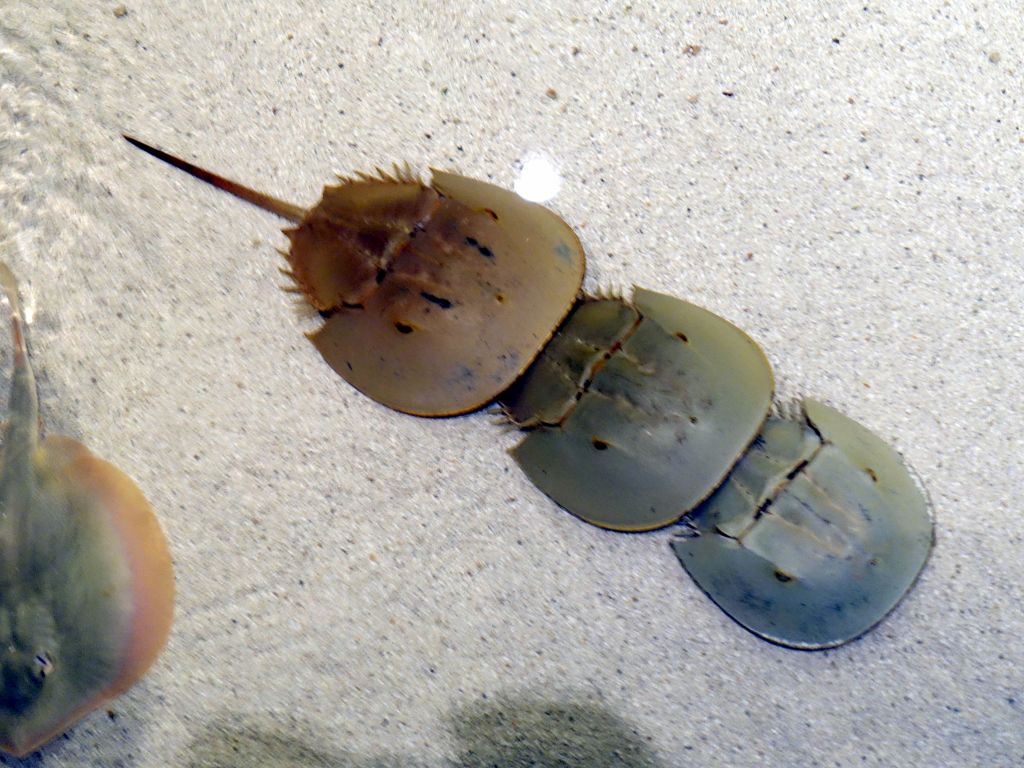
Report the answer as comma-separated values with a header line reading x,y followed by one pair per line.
x,y
814,537
658,421
570,359
455,303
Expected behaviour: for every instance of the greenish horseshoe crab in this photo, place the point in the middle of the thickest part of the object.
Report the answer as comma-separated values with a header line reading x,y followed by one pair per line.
x,y
86,585
639,413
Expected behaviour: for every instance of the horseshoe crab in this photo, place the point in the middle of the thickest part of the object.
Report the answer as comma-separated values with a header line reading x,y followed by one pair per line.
x,y
435,298
639,413
86,586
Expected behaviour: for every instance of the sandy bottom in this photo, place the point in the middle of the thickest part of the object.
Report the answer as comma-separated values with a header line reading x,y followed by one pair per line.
x,y
362,588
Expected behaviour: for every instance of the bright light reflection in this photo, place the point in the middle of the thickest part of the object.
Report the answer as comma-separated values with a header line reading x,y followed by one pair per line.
x,y
538,180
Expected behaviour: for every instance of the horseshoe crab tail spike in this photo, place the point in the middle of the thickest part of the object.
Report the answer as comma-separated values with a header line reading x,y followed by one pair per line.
x,y
23,408
285,210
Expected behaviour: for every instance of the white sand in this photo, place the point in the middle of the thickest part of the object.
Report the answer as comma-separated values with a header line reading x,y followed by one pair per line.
x,y
362,588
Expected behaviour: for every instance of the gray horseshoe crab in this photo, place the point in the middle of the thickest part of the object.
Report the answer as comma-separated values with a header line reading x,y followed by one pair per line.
x,y
640,414
86,581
